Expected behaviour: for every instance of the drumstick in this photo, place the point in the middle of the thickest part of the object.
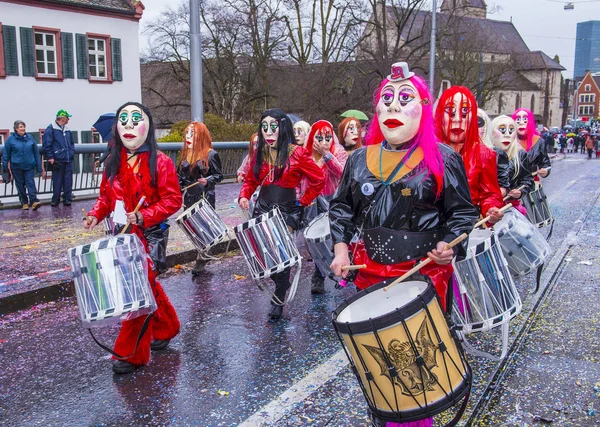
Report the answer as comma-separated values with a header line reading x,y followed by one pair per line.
x,y
87,218
534,173
190,186
518,189
137,208
354,267
487,218
425,262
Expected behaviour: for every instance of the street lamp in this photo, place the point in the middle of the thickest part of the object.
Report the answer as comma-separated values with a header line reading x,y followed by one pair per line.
x,y
432,48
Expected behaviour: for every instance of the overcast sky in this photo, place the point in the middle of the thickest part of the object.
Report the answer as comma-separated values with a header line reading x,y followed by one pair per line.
x,y
543,24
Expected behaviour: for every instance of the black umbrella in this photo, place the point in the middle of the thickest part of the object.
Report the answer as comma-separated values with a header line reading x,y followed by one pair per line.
x,y
104,126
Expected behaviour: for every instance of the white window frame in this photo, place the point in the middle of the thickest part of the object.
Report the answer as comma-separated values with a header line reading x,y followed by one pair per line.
x,y
97,53
588,88
45,49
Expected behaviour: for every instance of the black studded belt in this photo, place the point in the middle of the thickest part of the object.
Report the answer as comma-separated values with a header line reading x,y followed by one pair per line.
x,y
387,246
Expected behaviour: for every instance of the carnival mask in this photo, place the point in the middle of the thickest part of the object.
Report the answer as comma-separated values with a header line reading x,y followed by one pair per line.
x,y
399,112
189,134
481,124
522,120
324,136
299,135
132,125
351,135
504,132
457,116
270,131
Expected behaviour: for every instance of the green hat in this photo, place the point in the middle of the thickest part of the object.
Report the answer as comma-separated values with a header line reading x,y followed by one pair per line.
x,y
62,113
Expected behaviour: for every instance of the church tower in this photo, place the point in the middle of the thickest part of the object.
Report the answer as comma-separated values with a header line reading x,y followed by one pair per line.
x,y
470,8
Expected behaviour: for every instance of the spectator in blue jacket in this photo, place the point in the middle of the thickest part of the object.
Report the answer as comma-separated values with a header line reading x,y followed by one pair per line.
x,y
59,150
21,151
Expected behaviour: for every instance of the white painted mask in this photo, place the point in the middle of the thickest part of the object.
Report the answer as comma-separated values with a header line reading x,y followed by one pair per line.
x,y
399,111
133,125
504,132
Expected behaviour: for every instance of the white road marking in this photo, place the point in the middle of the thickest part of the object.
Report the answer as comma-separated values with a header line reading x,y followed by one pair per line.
x,y
272,412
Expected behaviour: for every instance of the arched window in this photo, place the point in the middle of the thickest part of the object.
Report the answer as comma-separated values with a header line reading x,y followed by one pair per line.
x,y
518,102
500,103
532,103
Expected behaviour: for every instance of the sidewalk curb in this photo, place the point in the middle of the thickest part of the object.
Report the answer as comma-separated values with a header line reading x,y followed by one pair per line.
x,y
55,291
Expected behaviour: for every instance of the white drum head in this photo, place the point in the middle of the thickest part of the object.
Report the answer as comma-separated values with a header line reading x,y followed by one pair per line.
x,y
479,236
382,302
319,227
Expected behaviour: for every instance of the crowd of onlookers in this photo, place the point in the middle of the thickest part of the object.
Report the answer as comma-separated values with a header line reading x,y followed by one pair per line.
x,y
573,140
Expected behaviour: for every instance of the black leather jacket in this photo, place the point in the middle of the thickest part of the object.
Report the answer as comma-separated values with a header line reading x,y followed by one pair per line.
x,y
189,174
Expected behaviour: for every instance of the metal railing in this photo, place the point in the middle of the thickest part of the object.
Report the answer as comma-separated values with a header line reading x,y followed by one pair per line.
x,y
87,176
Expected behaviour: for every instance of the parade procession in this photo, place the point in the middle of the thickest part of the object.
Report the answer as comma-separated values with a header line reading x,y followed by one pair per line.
x,y
382,247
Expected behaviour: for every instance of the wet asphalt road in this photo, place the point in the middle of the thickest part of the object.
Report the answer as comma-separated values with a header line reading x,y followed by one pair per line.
x,y
54,375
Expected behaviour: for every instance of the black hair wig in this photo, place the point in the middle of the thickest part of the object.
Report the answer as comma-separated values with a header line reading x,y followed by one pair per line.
x,y
286,137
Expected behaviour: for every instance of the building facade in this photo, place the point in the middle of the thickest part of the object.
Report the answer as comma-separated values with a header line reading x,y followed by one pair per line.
x,y
587,48
77,55
587,98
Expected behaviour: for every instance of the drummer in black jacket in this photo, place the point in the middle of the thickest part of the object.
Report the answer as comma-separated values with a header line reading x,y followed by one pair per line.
x,y
199,169
407,192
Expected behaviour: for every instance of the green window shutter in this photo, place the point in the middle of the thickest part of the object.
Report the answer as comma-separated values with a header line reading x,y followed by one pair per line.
x,y
36,137
11,58
82,55
27,51
117,67
75,137
86,136
67,55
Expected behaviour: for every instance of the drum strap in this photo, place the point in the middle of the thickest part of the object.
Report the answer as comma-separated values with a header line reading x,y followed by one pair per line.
x,y
139,338
473,351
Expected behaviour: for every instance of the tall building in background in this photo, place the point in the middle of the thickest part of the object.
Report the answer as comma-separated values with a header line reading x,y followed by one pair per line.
x,y
587,48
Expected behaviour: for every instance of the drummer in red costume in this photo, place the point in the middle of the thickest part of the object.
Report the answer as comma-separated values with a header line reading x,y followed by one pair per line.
x,y
135,168
456,125
408,193
331,157
278,167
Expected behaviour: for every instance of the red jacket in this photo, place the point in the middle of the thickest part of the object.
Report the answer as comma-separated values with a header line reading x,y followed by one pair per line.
x,y
301,164
161,202
482,174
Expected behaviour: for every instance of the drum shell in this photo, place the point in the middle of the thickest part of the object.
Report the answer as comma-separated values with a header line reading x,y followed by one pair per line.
x,y
111,280
267,244
320,243
203,226
524,247
361,340
538,208
487,294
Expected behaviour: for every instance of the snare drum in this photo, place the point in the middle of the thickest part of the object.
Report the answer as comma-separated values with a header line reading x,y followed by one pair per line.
x,y
111,280
203,226
319,243
408,364
523,245
487,294
267,245
538,209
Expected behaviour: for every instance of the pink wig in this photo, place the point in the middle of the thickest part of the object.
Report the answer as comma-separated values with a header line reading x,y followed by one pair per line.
x,y
425,138
320,126
531,128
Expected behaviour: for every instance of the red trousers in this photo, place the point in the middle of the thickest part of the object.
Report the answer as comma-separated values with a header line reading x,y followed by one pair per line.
x,y
164,325
376,273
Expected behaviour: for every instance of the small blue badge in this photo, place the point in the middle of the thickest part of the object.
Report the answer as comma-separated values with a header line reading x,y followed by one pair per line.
x,y
367,189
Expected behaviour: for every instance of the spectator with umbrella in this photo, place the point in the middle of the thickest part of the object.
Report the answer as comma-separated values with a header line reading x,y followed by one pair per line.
x,y
104,125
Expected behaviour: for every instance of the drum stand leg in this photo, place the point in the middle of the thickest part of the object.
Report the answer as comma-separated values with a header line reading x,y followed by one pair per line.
x,y
551,230
538,277
478,353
